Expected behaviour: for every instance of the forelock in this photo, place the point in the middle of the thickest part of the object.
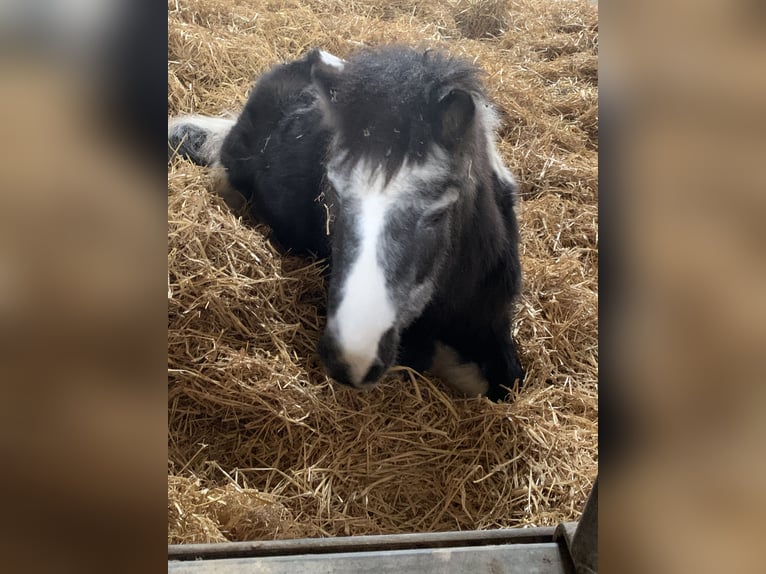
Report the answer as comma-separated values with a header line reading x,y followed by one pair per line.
x,y
383,100
364,178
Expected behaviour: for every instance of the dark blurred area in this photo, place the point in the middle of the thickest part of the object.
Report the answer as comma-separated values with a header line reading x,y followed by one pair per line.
x,y
112,50
683,95
82,286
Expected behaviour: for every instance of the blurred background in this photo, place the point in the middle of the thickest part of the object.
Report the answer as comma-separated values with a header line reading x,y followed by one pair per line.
x,y
683,317
83,285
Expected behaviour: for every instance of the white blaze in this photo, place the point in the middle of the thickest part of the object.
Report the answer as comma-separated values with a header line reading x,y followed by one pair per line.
x,y
366,311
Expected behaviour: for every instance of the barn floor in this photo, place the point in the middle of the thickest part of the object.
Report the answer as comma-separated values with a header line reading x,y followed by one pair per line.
x,y
261,445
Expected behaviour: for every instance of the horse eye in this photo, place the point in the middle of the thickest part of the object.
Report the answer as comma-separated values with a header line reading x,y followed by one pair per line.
x,y
435,217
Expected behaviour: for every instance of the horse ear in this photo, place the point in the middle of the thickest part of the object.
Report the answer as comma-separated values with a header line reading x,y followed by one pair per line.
x,y
456,110
326,72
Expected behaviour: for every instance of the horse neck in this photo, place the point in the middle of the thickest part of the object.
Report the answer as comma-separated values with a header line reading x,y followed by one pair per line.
x,y
476,248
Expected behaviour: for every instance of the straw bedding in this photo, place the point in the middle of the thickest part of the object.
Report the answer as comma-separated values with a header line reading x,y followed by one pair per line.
x,y
261,444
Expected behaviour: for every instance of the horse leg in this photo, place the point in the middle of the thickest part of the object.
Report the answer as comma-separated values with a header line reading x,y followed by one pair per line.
x,y
482,364
198,138
501,364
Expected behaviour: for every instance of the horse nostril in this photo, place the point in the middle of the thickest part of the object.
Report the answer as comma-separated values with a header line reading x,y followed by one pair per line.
x,y
331,361
375,372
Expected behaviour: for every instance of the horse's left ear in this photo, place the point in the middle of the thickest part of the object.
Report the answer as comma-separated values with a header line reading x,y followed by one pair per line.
x,y
326,72
455,112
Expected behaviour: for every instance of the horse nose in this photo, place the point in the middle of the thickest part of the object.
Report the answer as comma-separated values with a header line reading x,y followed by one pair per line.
x,y
332,361
345,366
375,372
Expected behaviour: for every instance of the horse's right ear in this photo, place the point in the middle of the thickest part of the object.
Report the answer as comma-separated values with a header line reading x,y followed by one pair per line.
x,y
326,72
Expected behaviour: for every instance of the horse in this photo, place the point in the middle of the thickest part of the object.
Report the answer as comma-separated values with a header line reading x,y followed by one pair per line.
x,y
386,164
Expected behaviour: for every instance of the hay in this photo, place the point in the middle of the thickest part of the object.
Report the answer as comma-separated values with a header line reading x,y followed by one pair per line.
x,y
481,18
261,444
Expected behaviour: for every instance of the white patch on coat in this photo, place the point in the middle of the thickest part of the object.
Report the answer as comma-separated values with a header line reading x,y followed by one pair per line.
x,y
463,377
366,310
216,129
490,121
331,60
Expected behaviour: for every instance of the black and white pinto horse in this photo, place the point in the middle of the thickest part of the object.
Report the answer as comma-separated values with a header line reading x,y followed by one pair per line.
x,y
387,164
